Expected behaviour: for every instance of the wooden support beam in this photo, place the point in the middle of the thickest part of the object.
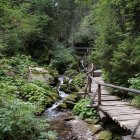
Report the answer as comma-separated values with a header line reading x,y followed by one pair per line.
x,y
135,130
99,94
89,84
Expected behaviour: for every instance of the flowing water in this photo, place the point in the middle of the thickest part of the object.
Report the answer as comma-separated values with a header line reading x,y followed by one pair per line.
x,y
57,118
52,111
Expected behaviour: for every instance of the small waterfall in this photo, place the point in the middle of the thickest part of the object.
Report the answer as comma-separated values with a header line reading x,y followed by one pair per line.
x,y
83,67
52,111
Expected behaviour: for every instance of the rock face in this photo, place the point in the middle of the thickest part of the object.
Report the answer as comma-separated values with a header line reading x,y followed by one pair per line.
x,y
41,74
81,130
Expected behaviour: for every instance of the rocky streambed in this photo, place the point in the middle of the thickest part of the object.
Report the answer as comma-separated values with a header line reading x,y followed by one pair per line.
x,y
70,127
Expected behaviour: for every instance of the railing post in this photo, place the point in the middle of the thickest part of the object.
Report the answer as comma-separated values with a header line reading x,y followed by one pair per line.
x,y
89,84
99,94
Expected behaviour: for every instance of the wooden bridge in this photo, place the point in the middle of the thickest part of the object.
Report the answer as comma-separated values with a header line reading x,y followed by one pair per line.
x,y
126,116
83,50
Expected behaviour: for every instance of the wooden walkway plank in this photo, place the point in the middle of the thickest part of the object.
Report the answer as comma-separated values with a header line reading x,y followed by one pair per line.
x,y
121,112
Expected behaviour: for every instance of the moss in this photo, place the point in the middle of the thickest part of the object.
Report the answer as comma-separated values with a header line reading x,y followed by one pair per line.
x,y
54,96
49,101
66,81
62,106
91,121
63,87
71,97
105,135
73,87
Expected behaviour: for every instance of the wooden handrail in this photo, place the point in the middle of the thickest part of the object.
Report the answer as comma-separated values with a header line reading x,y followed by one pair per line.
x,y
117,87
98,91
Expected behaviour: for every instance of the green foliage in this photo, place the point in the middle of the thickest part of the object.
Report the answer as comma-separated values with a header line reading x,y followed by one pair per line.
x,y
115,38
16,65
127,54
135,84
38,93
18,122
71,73
62,58
79,80
81,109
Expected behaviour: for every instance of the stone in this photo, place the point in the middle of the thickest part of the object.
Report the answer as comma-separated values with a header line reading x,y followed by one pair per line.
x,y
41,74
105,135
63,87
62,106
96,128
81,129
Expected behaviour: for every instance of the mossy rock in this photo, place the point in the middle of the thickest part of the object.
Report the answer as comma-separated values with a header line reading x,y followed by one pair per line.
x,y
49,101
71,97
73,88
70,100
54,96
91,121
66,81
63,87
105,135
62,106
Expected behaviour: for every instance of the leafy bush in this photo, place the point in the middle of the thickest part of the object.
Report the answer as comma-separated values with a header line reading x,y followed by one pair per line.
x,y
62,58
135,84
71,73
40,94
18,122
16,65
79,80
81,109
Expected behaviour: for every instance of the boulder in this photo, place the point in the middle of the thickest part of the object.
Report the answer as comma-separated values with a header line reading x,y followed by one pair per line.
x,y
41,74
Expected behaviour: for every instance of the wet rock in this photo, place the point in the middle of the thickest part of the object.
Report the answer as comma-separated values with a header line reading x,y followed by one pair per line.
x,y
66,81
62,106
81,130
96,128
63,87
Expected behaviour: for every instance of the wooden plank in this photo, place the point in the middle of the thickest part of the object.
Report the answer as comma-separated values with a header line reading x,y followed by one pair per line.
x,y
127,138
113,103
121,112
126,118
118,108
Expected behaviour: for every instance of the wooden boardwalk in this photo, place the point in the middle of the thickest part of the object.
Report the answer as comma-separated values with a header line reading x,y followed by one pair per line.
x,y
119,111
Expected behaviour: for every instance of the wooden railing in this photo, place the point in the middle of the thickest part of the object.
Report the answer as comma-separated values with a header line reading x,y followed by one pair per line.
x,y
90,79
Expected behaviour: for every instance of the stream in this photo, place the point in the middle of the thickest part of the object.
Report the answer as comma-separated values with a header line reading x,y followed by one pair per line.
x,y
57,118
52,111
65,124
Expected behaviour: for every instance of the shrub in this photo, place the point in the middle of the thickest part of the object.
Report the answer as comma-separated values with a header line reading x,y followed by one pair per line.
x,y
40,94
18,122
81,109
79,80
62,58
135,84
